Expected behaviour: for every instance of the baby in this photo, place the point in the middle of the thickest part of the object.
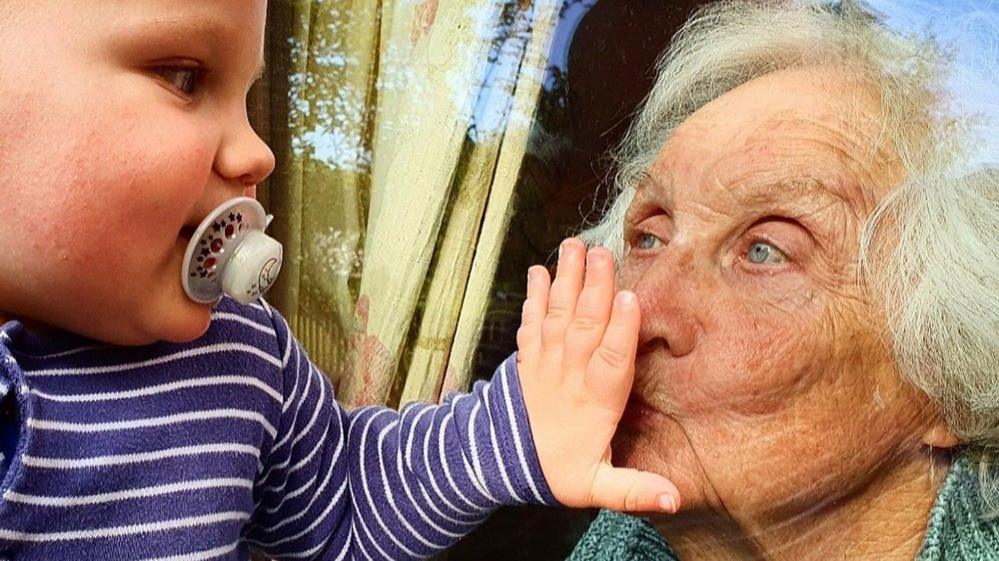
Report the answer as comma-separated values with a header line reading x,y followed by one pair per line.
x,y
138,423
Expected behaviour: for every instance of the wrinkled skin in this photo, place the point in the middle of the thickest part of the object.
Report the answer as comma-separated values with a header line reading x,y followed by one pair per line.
x,y
764,388
107,155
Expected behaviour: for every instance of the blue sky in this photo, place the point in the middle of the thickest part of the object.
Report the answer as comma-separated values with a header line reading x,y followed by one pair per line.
x,y
971,28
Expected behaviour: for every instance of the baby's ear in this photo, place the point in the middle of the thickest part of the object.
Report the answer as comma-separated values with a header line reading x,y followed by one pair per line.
x,y
938,435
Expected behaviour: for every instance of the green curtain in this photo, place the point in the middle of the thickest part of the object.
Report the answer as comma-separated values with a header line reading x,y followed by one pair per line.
x,y
399,130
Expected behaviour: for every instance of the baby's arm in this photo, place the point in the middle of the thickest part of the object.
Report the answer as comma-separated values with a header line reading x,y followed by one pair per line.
x,y
377,484
374,483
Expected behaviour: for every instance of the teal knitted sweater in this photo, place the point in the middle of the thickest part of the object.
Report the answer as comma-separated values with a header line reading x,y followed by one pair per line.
x,y
955,532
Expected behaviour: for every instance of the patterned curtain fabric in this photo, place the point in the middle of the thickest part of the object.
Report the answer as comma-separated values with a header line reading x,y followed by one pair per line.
x,y
399,129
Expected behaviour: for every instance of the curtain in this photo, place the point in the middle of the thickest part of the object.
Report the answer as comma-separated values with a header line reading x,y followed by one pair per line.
x,y
399,129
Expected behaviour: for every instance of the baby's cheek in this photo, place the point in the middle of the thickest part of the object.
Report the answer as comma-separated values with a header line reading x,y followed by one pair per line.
x,y
178,182
151,188
163,154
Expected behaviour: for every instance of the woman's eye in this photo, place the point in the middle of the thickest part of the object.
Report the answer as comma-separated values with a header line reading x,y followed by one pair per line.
x,y
184,79
763,253
648,241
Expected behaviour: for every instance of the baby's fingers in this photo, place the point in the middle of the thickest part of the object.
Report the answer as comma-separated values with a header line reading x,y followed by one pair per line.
x,y
631,490
593,309
564,292
535,308
609,374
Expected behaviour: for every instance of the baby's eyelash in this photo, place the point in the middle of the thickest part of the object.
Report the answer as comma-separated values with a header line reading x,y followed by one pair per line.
x,y
183,78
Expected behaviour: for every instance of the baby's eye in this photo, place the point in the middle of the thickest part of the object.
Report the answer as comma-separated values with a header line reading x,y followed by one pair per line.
x,y
762,253
184,78
648,241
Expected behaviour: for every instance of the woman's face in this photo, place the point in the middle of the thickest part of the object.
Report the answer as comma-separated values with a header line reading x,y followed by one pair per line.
x,y
763,386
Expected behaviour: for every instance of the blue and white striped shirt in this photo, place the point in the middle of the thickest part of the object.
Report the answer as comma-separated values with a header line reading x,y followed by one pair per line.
x,y
234,441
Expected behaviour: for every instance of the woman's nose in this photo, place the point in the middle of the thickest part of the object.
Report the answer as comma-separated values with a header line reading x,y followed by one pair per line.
x,y
243,156
668,297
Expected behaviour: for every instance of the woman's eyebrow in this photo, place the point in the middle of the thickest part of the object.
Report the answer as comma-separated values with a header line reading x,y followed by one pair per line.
x,y
649,190
653,187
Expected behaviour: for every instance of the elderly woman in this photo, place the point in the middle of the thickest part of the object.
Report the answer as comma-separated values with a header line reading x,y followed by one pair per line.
x,y
811,224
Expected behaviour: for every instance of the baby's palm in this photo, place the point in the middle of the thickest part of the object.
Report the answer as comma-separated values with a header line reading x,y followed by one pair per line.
x,y
576,361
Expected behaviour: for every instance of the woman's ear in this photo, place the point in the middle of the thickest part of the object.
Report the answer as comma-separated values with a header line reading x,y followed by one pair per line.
x,y
939,436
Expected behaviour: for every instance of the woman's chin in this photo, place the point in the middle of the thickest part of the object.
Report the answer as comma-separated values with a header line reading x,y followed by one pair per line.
x,y
633,448
664,451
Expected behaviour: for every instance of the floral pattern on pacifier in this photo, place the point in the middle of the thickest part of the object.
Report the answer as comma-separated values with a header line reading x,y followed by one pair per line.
x,y
211,249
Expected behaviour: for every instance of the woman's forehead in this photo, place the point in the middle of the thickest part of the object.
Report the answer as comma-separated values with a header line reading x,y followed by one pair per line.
x,y
799,128
805,101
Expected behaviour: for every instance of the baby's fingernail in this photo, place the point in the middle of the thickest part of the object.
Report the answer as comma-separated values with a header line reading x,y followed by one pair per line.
x,y
625,297
565,245
667,503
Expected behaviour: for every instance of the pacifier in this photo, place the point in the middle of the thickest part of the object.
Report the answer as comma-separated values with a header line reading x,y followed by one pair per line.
x,y
230,254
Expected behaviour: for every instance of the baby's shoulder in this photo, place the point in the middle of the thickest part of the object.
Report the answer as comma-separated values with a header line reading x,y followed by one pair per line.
x,y
254,328
230,319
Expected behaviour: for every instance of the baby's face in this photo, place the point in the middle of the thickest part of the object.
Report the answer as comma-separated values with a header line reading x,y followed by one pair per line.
x,y
122,124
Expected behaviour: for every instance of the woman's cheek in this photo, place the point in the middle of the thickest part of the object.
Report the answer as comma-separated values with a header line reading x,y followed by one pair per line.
x,y
781,290
743,364
630,271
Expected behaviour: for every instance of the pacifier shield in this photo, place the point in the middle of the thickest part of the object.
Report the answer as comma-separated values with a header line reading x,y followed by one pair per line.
x,y
230,254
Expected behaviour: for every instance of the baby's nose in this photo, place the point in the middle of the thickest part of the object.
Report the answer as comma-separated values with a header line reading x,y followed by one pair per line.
x,y
243,156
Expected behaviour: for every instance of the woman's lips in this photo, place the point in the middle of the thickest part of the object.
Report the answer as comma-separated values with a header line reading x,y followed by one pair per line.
x,y
639,412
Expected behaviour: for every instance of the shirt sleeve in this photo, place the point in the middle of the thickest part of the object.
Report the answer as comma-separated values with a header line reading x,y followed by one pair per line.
x,y
374,483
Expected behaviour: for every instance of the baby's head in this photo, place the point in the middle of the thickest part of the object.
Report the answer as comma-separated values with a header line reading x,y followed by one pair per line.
x,y
122,125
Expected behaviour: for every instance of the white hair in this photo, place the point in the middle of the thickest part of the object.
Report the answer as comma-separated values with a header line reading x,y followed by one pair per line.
x,y
930,249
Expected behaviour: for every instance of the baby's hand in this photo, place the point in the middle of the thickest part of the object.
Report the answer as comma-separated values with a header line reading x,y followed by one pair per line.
x,y
576,358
